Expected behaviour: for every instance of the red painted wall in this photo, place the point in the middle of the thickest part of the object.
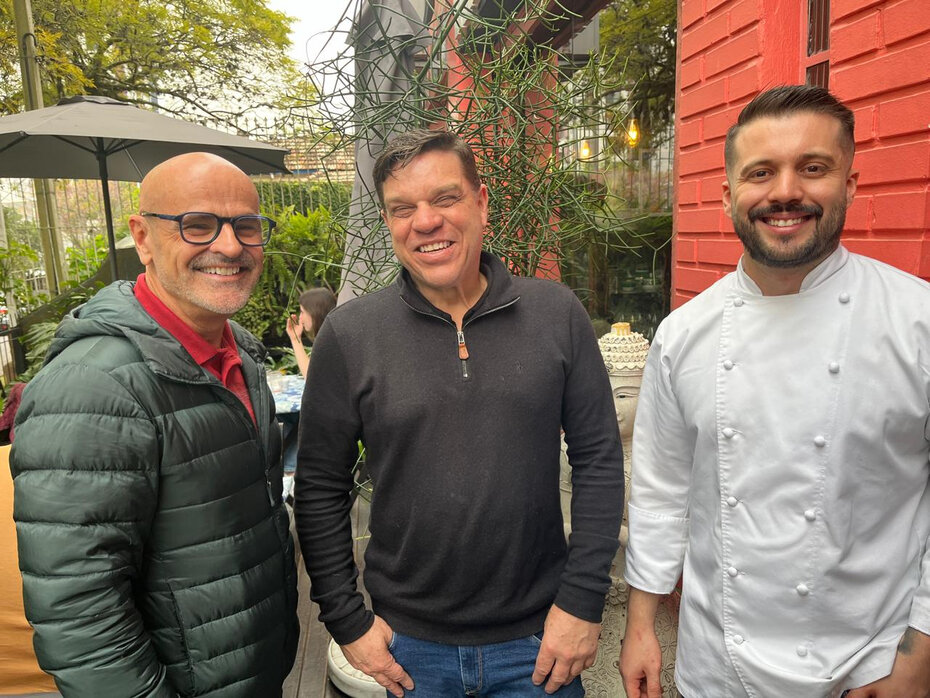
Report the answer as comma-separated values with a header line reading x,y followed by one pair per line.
x,y
729,50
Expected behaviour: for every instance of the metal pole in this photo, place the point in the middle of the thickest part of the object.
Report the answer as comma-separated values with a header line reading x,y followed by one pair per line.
x,y
104,181
44,188
9,296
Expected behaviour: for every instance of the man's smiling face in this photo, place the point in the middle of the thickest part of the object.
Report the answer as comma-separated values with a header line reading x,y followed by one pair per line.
x,y
788,188
202,284
437,220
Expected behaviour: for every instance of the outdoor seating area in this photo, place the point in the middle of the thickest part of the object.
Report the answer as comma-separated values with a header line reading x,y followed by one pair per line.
x,y
575,347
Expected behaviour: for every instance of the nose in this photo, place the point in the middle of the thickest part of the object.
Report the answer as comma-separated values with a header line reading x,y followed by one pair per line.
x,y
226,242
786,187
426,219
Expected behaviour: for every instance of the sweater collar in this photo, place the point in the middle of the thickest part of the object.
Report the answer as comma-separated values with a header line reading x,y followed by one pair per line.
x,y
500,290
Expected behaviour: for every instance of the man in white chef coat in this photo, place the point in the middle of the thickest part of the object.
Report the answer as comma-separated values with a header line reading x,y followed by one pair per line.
x,y
780,454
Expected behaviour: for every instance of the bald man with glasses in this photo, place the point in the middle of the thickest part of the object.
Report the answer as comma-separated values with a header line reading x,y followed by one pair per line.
x,y
153,540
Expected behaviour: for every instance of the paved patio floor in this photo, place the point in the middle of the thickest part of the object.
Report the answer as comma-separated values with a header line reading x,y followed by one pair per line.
x,y
308,678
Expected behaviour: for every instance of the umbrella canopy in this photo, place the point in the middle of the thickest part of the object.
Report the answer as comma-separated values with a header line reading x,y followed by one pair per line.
x,y
92,137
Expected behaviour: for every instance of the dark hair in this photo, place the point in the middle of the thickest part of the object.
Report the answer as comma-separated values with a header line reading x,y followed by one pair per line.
x,y
317,302
406,146
791,99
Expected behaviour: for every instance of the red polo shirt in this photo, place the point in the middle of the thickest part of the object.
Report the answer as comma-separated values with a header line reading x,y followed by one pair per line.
x,y
224,363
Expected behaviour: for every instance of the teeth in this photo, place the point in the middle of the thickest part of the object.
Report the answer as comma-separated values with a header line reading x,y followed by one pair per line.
x,y
783,223
221,271
432,247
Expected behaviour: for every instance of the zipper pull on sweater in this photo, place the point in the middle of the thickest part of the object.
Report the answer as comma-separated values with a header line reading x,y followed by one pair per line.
x,y
463,353
463,350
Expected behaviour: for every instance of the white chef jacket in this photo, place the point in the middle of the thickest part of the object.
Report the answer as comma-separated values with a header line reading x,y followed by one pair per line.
x,y
780,455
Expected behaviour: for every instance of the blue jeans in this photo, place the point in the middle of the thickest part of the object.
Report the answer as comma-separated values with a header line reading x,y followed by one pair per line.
x,y
501,670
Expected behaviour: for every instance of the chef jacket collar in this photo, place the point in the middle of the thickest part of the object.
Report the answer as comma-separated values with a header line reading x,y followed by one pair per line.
x,y
819,274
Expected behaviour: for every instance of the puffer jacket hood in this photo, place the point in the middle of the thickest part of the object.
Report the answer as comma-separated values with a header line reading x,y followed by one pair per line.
x,y
115,312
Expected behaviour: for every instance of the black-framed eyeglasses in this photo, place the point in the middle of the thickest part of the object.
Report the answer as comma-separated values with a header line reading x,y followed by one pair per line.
x,y
201,228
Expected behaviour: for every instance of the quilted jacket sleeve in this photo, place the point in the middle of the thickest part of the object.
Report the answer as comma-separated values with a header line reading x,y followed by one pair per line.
x,y
84,463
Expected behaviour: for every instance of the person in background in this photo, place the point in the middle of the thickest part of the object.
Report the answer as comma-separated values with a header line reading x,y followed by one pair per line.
x,y
782,440
153,539
315,304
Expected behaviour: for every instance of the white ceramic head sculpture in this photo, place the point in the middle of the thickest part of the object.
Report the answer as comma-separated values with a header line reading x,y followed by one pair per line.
x,y
624,355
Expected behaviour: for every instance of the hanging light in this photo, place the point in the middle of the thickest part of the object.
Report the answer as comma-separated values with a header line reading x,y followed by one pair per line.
x,y
633,134
584,150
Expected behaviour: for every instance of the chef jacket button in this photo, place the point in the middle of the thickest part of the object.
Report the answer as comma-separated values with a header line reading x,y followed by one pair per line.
x,y
802,589
732,501
801,650
738,639
728,364
729,432
810,515
819,441
844,297
834,367
732,571
738,302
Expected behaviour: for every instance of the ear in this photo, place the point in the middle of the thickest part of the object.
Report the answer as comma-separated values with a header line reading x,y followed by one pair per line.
x,y
727,200
483,205
852,181
140,236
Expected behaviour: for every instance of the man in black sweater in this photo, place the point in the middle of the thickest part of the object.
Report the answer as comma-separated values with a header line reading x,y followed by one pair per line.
x,y
458,379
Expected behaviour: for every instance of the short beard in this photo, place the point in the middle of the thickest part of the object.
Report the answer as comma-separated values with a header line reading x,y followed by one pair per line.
x,y
825,239
226,307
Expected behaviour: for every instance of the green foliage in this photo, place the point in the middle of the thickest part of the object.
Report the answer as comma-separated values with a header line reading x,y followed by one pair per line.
x,y
303,197
282,359
83,262
628,285
305,251
641,34
188,54
18,261
36,340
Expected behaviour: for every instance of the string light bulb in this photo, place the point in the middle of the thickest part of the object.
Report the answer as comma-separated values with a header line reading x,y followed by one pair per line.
x,y
584,150
633,134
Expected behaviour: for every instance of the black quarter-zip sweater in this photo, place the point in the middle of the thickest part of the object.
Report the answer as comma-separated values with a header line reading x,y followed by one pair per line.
x,y
467,543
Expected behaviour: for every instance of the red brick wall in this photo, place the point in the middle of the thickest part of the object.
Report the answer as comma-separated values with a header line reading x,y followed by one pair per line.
x,y
729,50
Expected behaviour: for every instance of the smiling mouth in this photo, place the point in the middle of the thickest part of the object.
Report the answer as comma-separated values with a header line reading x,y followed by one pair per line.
x,y
221,271
784,222
434,246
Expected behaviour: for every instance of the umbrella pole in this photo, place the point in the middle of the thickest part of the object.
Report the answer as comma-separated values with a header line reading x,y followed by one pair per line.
x,y
111,238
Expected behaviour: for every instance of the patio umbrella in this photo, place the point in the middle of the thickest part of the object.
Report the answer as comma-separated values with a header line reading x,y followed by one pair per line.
x,y
90,137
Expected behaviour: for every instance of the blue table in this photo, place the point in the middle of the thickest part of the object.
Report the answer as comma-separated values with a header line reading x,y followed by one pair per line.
x,y
287,391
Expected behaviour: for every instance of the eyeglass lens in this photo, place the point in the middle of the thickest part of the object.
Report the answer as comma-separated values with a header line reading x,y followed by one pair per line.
x,y
202,227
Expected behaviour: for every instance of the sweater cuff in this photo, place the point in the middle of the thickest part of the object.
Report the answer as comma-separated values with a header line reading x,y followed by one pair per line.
x,y
581,603
351,628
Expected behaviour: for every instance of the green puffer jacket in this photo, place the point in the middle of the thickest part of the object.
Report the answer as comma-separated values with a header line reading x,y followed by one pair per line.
x,y
153,541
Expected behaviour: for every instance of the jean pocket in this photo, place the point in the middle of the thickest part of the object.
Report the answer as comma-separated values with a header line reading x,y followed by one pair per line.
x,y
537,638
393,641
